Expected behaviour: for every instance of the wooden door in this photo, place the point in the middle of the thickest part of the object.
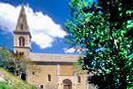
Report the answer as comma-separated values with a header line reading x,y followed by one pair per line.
x,y
67,84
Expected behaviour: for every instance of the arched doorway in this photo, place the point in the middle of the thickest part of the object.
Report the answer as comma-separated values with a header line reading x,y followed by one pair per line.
x,y
67,84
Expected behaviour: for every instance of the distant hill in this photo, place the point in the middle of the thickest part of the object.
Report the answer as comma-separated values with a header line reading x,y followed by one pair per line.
x,y
9,81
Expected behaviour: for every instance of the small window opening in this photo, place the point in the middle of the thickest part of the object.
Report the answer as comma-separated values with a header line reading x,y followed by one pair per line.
x,y
79,79
17,73
22,26
16,54
21,53
49,77
33,73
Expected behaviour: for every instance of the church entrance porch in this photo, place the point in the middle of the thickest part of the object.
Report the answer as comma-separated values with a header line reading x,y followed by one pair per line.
x,y
67,84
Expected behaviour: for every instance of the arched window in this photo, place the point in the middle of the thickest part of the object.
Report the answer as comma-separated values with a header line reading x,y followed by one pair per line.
x,y
41,87
21,41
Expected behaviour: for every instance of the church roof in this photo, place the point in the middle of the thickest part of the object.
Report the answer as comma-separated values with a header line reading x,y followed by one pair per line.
x,y
42,57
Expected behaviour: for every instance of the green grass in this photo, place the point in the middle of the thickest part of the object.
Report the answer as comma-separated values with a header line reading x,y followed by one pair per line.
x,y
5,86
12,82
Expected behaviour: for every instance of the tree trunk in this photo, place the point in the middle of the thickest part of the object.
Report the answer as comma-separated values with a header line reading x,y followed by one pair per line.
x,y
123,83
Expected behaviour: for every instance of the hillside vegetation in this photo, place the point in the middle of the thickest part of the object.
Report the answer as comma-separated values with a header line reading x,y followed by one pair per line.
x,y
9,81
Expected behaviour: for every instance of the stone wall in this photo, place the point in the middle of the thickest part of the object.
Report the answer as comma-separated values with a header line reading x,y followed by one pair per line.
x,y
58,74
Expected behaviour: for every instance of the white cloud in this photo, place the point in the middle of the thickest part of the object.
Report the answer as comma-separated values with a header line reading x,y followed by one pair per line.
x,y
71,50
44,40
43,29
74,50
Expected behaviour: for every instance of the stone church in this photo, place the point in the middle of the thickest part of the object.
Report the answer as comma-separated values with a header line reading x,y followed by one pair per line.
x,y
55,71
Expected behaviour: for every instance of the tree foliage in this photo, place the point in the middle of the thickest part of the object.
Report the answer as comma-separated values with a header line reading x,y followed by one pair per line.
x,y
13,62
105,30
6,59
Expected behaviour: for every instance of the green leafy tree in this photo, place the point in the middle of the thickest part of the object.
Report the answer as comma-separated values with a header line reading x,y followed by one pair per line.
x,y
6,59
105,31
13,62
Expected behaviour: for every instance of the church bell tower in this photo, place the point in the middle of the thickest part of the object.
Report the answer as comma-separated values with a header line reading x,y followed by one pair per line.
x,y
22,35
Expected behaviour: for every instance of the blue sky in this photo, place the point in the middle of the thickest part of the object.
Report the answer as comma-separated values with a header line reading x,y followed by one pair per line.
x,y
52,13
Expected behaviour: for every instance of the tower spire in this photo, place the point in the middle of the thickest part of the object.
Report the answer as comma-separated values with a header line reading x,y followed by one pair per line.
x,y
22,36
22,24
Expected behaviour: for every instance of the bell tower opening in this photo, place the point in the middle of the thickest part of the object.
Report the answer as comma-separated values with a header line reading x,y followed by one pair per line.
x,y
21,41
